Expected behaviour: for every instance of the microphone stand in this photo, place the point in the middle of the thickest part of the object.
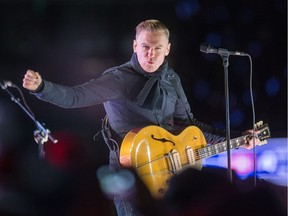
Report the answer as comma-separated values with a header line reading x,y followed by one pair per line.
x,y
225,57
224,53
42,134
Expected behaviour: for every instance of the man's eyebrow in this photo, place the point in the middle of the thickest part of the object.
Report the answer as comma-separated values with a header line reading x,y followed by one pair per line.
x,y
145,44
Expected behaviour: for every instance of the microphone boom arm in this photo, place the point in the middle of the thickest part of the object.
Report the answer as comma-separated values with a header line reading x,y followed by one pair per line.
x,y
42,134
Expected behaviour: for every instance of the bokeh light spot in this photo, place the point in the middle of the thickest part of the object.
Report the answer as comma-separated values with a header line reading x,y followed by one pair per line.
x,y
242,164
214,39
185,9
272,86
267,162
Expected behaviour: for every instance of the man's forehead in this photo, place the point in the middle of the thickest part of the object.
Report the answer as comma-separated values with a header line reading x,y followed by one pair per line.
x,y
152,37
154,32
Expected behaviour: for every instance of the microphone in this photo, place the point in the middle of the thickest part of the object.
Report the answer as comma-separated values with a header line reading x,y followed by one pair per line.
x,y
207,48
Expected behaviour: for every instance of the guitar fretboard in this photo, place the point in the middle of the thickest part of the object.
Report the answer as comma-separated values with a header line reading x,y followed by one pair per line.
x,y
212,150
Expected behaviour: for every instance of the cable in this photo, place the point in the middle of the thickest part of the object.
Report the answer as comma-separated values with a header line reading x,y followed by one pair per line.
x,y
23,99
253,120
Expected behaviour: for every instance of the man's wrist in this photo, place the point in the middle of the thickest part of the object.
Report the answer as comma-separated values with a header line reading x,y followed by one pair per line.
x,y
39,89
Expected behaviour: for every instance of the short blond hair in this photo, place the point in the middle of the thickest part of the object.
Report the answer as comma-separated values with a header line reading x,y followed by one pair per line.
x,y
152,25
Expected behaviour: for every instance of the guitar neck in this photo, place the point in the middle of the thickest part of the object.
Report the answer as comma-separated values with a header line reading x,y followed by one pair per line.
x,y
209,151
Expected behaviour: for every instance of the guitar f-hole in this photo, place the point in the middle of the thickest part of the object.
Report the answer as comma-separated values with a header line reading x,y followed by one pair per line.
x,y
162,139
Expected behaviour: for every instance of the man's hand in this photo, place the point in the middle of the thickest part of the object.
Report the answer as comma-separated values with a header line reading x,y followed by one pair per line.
x,y
32,80
252,139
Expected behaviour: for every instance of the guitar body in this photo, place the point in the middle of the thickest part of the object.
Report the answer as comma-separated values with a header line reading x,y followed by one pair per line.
x,y
157,155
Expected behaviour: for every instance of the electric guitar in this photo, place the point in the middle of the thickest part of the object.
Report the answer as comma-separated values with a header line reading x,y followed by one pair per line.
x,y
157,155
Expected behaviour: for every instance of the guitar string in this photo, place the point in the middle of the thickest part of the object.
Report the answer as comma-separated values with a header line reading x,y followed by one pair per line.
x,y
199,153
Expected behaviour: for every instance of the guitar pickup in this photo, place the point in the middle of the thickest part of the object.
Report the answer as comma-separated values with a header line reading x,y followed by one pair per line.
x,y
190,155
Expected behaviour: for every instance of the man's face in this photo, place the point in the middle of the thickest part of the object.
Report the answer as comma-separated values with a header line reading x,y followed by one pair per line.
x,y
151,49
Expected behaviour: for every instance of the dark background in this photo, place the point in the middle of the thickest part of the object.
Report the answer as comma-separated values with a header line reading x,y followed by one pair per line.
x,y
69,42
72,41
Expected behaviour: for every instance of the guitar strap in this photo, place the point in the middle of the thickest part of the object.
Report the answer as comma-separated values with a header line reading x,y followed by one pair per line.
x,y
114,150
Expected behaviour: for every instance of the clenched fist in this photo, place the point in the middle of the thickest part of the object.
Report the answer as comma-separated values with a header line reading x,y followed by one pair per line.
x,y
32,80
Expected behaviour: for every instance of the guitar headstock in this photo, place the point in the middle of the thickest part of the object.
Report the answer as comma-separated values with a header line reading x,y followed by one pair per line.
x,y
263,132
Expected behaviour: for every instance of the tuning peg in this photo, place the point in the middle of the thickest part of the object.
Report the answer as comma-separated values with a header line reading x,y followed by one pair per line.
x,y
259,124
262,143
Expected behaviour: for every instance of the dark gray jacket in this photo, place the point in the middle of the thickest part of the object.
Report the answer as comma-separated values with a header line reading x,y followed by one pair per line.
x,y
120,89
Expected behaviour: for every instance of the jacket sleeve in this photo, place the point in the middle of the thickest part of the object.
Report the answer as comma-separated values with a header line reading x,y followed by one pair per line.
x,y
93,92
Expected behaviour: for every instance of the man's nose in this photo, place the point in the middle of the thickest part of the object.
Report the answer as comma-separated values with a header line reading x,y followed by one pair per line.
x,y
151,52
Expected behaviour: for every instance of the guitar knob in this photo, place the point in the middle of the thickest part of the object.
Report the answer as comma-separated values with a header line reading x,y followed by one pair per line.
x,y
161,191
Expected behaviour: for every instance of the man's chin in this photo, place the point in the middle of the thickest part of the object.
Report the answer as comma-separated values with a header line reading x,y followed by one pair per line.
x,y
150,69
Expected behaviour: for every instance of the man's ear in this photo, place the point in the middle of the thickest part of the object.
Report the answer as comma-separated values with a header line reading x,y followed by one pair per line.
x,y
134,45
168,49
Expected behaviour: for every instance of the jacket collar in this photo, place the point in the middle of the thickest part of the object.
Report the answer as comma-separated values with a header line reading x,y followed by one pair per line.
x,y
159,72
